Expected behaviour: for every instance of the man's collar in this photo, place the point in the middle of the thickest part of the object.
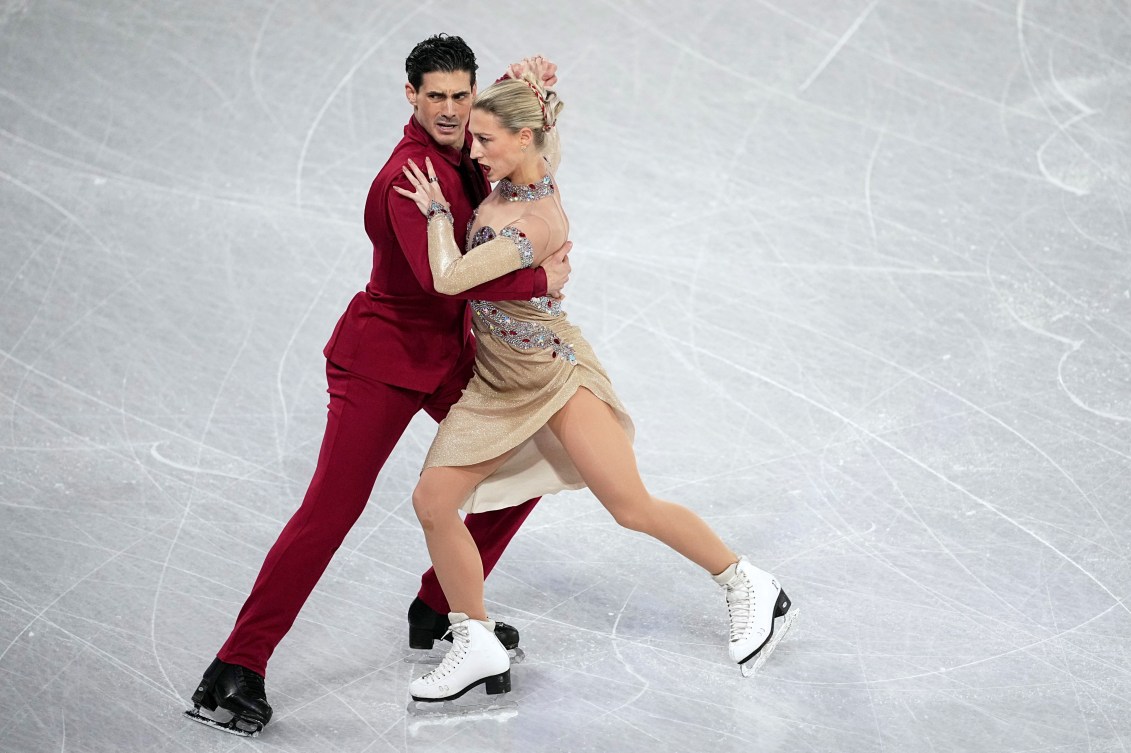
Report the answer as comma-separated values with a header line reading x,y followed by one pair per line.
x,y
416,132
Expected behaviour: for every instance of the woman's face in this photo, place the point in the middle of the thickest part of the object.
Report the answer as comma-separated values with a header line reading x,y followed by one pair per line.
x,y
496,148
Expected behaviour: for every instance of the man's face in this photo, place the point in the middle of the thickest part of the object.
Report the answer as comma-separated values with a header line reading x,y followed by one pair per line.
x,y
442,104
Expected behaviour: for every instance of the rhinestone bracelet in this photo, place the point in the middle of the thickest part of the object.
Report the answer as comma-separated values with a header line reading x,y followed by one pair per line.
x,y
436,209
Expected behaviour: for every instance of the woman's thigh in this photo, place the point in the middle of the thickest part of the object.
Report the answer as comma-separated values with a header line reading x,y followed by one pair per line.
x,y
597,444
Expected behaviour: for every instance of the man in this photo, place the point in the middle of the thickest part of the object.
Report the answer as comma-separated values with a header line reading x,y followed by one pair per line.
x,y
400,347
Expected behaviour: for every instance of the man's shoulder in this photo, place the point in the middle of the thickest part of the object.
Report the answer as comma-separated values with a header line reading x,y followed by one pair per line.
x,y
405,150
408,147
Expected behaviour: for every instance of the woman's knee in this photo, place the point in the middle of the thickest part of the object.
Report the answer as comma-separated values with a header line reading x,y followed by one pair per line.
x,y
635,515
431,506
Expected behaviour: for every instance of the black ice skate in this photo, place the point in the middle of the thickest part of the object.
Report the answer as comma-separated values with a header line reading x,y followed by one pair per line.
x,y
238,693
426,626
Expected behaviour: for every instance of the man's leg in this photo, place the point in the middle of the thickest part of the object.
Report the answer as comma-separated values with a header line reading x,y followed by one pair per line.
x,y
365,420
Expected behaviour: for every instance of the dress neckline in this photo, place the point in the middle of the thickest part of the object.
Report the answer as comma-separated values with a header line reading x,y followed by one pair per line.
x,y
529,192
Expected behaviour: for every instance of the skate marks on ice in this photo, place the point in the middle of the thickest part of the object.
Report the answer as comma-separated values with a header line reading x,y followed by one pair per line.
x,y
470,707
844,353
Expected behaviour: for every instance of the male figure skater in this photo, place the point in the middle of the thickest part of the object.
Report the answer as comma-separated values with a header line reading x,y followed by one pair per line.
x,y
400,347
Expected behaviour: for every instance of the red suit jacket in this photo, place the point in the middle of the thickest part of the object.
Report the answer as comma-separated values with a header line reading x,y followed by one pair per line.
x,y
399,330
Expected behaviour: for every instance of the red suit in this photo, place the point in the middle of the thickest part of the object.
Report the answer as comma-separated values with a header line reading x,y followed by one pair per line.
x,y
399,347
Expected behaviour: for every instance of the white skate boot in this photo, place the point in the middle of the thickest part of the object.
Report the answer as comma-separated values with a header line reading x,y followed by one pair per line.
x,y
475,658
755,603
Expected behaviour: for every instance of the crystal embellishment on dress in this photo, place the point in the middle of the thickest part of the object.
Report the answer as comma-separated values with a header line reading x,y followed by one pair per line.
x,y
487,233
525,247
482,235
529,192
520,334
546,305
515,332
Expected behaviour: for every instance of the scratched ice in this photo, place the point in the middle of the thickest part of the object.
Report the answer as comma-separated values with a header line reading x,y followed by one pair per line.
x,y
861,270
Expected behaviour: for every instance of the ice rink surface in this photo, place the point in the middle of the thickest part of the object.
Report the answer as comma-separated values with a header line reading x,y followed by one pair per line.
x,y
860,269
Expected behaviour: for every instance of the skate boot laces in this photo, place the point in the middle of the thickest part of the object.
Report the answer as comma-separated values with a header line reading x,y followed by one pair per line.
x,y
461,639
740,607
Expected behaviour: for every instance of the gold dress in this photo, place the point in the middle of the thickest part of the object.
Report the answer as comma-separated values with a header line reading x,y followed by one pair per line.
x,y
529,361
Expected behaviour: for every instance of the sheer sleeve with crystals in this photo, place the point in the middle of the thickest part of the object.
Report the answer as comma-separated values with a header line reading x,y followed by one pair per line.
x,y
454,272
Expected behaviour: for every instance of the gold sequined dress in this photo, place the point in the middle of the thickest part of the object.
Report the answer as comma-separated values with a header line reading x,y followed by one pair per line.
x,y
530,359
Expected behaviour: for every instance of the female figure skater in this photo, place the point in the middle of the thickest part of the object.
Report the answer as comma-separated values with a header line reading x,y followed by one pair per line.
x,y
540,414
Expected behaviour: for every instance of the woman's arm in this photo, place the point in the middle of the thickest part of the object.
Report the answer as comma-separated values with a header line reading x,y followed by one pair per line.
x,y
454,272
411,230
520,245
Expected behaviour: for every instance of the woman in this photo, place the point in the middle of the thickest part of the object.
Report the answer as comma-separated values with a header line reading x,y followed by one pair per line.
x,y
540,414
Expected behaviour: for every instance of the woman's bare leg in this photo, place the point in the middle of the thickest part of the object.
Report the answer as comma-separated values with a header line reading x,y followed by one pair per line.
x,y
590,433
455,558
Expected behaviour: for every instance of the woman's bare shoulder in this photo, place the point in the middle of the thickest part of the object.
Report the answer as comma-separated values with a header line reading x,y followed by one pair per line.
x,y
497,214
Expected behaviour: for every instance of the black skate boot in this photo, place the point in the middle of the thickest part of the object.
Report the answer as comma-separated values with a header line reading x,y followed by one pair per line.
x,y
235,690
426,626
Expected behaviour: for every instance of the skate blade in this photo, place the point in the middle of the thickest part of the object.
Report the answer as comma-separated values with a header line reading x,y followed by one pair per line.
x,y
424,714
752,665
435,656
232,726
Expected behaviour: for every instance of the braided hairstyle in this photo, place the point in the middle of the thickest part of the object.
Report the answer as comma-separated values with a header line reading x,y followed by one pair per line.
x,y
523,103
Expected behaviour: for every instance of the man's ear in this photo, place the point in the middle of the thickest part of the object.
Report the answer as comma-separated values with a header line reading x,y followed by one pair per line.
x,y
410,94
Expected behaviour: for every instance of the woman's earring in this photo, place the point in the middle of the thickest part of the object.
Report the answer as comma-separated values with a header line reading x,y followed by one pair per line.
x,y
524,147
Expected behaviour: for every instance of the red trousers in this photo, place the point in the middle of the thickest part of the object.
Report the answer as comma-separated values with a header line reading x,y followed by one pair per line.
x,y
366,418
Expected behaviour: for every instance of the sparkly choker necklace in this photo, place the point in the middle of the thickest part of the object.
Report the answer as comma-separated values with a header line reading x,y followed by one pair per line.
x,y
531,192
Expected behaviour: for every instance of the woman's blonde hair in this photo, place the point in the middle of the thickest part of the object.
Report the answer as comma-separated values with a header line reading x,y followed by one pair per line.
x,y
523,103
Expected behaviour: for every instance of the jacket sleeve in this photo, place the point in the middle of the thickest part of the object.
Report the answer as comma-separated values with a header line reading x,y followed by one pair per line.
x,y
412,232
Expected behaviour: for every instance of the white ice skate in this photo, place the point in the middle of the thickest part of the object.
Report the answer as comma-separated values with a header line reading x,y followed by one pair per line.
x,y
435,655
759,614
475,658
427,629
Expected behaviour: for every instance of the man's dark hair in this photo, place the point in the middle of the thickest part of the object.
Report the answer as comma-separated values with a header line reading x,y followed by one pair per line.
x,y
439,53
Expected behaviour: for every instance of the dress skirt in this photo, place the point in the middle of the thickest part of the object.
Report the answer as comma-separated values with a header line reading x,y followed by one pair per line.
x,y
529,361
